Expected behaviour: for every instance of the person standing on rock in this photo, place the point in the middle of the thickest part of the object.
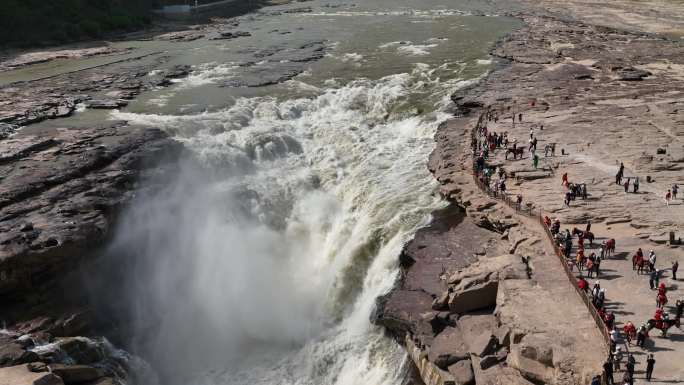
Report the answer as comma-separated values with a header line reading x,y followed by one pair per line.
x,y
631,363
675,266
608,371
650,363
668,196
617,359
642,332
651,260
652,279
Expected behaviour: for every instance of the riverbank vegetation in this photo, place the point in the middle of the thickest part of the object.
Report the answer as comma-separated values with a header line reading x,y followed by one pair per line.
x,y
25,23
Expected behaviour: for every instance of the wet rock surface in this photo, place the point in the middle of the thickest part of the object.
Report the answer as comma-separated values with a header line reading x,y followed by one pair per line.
x,y
107,87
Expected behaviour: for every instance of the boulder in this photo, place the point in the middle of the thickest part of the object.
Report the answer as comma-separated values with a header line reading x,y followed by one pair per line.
x,y
462,372
81,350
530,369
503,335
447,348
12,353
441,302
37,367
484,345
21,375
75,374
476,297
473,326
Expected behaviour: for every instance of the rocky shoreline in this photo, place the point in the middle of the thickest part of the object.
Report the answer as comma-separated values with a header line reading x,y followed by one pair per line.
x,y
465,307
61,193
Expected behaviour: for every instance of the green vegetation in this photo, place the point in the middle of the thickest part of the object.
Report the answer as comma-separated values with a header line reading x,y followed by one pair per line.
x,y
26,23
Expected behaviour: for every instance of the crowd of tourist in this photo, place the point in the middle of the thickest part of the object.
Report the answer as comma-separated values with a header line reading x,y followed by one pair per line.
x,y
577,248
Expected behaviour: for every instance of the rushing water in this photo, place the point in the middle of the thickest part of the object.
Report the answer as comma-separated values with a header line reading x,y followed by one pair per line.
x,y
262,265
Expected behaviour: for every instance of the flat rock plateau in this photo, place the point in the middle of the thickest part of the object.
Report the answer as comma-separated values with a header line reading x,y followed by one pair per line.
x,y
483,298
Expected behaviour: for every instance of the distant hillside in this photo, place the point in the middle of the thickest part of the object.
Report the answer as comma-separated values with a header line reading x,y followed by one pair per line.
x,y
40,22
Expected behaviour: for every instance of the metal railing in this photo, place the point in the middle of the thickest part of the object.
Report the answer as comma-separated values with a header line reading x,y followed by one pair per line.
x,y
530,212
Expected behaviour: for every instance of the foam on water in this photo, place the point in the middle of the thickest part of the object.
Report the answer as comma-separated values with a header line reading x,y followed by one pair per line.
x,y
282,295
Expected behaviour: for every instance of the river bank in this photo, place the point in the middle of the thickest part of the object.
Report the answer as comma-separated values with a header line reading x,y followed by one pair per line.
x,y
310,129
566,78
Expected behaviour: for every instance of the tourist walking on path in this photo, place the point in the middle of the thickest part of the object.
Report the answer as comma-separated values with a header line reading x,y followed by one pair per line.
x,y
675,189
652,279
650,363
675,266
626,185
608,370
642,333
668,196
617,359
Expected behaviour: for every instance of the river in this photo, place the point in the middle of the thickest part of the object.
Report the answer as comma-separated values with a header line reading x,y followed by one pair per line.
x,y
261,263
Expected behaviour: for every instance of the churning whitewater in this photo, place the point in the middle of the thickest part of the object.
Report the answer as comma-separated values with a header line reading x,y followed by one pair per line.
x,y
261,262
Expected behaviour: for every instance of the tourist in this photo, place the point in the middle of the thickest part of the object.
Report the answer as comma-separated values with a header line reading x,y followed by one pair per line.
x,y
520,117
596,380
564,180
622,168
603,250
630,331
617,359
636,185
618,178
668,196
642,333
535,161
518,202
651,260
584,191
631,363
675,266
627,185
657,277
596,289
652,279
568,198
650,363
608,370
675,189
588,228
610,322
661,300
590,267
627,378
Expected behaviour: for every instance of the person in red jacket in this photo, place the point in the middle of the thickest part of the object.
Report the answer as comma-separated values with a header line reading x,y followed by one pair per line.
x,y
630,331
